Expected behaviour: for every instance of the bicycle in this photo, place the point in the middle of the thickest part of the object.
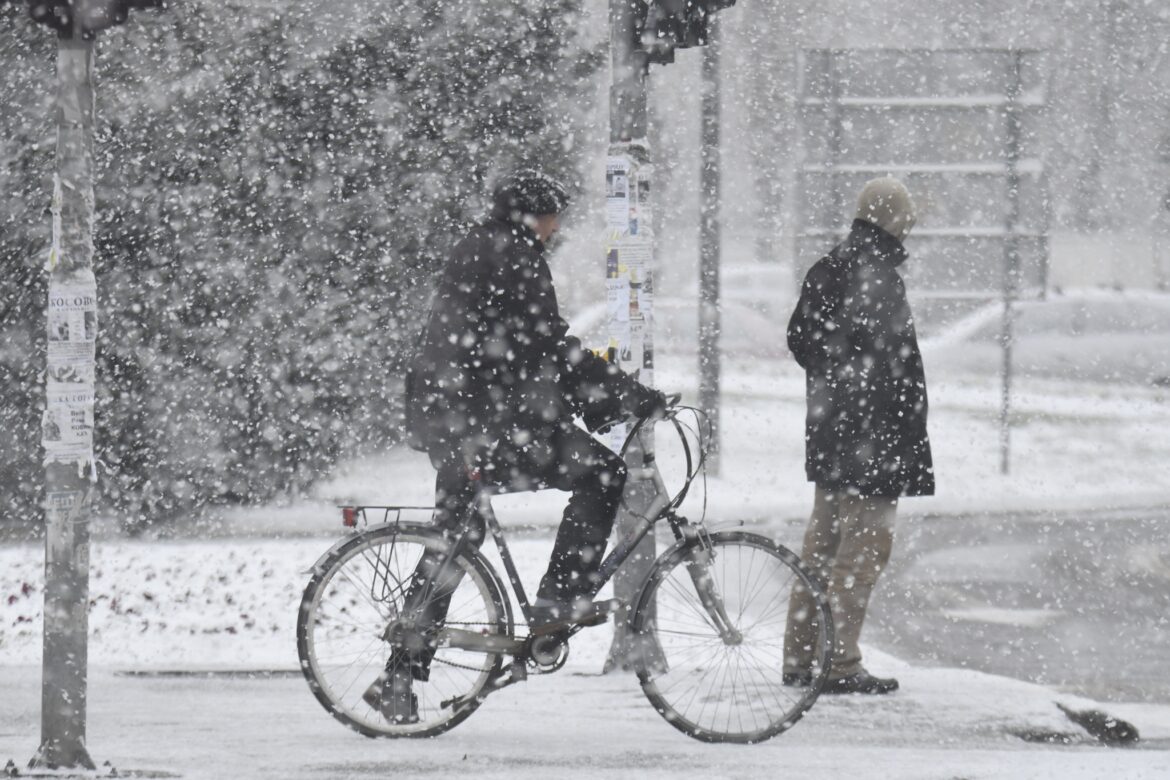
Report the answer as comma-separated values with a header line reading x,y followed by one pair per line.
x,y
707,626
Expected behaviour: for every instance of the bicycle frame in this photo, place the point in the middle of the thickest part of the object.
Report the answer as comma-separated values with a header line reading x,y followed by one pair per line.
x,y
658,508
475,641
616,557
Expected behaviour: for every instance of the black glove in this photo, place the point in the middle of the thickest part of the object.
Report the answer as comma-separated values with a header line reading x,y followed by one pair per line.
x,y
650,402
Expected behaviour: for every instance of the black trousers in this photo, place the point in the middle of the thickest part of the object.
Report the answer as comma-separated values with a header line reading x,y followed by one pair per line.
x,y
590,471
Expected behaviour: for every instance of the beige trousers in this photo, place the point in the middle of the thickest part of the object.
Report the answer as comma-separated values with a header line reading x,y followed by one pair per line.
x,y
847,545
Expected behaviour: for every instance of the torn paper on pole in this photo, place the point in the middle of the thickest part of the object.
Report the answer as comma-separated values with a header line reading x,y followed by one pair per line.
x,y
68,420
629,266
617,194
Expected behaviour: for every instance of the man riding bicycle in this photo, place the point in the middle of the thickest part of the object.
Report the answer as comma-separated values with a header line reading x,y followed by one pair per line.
x,y
491,398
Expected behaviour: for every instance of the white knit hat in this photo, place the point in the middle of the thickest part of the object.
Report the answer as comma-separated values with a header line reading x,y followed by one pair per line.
x,y
886,202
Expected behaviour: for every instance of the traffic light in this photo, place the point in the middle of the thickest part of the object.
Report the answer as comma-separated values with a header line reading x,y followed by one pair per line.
x,y
57,14
677,24
92,16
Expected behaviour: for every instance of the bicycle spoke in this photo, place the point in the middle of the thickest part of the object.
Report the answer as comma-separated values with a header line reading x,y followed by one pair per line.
x,y
772,687
349,606
361,589
731,690
348,656
780,608
706,671
357,676
342,619
750,589
717,680
693,604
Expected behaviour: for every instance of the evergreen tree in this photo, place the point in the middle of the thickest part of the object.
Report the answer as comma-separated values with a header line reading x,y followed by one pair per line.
x,y
271,213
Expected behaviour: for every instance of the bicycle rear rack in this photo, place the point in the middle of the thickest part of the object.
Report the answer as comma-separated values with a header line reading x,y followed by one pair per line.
x,y
356,516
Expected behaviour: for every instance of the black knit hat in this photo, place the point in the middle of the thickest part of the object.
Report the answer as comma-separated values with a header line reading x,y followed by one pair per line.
x,y
528,192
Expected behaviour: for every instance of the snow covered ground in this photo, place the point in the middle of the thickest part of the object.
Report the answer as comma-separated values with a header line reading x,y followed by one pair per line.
x,y
221,598
194,673
943,724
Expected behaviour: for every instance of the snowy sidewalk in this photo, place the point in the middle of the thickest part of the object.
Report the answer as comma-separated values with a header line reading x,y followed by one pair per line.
x,y
170,618
944,723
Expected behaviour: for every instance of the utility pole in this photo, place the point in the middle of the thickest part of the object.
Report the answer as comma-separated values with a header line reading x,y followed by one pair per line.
x,y
629,278
709,248
640,33
67,425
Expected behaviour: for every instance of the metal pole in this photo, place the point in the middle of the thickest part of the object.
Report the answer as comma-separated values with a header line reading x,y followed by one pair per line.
x,y
629,278
709,254
67,430
1011,276
1105,75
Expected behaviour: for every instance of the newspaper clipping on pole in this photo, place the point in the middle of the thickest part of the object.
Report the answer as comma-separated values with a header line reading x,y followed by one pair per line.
x,y
68,421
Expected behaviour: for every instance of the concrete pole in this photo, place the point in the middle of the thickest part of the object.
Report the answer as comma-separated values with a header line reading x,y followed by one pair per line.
x,y
67,429
630,249
709,249
1011,272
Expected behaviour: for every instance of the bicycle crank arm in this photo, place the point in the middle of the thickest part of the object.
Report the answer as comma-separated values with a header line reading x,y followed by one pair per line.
x,y
462,639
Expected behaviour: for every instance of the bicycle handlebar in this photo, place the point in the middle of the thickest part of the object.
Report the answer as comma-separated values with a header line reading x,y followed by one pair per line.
x,y
672,400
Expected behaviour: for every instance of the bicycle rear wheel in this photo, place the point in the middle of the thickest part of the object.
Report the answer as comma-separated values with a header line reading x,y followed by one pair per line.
x,y
725,683
356,591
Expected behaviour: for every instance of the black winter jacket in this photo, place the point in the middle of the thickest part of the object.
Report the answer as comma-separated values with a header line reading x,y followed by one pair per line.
x,y
496,372
853,333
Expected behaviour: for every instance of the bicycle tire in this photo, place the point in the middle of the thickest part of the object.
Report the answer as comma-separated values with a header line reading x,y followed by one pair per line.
x,y
698,682
390,553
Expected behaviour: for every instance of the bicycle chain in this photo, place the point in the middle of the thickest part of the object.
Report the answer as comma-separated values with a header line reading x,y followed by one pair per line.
x,y
452,663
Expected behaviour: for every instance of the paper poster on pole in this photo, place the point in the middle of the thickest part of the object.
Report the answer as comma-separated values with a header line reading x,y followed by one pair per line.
x,y
636,255
617,194
68,421
629,267
617,300
640,215
633,353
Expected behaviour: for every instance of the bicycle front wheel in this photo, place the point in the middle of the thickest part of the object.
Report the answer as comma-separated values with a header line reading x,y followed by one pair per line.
x,y
356,591
711,623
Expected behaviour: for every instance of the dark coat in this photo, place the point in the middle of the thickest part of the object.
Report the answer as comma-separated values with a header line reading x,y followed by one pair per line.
x,y
853,333
496,372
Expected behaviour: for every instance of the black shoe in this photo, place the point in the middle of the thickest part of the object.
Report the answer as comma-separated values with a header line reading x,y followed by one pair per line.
x,y
550,617
391,695
797,679
862,682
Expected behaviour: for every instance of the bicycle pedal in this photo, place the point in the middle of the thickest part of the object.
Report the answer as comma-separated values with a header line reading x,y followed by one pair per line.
x,y
592,619
373,694
599,612
595,614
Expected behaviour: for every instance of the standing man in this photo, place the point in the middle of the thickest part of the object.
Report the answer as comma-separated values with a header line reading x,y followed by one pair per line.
x,y
865,432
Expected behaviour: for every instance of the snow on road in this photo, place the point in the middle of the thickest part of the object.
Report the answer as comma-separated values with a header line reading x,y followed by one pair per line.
x,y
944,724
164,609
